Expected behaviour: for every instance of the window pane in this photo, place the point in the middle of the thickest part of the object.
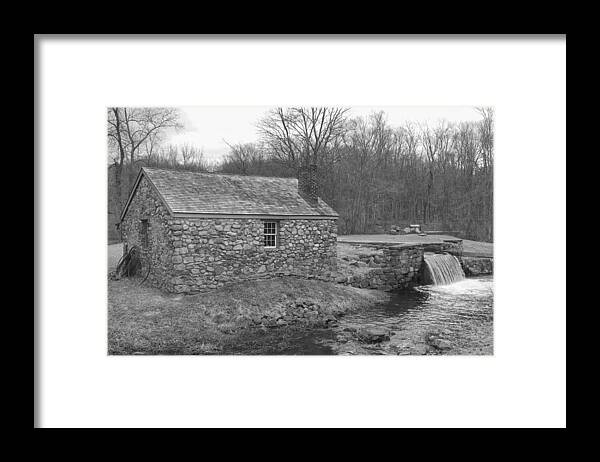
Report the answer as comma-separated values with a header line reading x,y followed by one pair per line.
x,y
269,228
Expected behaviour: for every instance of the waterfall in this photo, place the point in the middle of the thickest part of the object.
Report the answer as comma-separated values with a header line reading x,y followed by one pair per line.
x,y
442,268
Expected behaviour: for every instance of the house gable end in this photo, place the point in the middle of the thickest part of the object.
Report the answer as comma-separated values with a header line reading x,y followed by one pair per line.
x,y
141,174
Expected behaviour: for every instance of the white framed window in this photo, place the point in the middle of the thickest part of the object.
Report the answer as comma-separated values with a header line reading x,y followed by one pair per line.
x,y
270,234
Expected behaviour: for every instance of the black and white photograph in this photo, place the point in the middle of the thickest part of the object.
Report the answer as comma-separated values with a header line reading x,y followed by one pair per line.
x,y
300,230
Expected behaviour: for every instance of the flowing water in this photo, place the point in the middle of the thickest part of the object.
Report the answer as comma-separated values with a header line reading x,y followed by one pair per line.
x,y
442,269
454,319
451,319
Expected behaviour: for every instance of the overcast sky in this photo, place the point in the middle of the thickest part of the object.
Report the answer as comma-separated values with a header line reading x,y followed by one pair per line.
x,y
208,126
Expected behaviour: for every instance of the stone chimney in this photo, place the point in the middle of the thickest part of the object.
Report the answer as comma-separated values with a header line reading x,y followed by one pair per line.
x,y
308,185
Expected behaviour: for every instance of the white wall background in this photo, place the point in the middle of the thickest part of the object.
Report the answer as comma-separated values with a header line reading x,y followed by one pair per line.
x,y
523,384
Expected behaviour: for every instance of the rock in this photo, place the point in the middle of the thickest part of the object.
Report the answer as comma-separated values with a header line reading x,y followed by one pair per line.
x,y
421,349
373,335
440,344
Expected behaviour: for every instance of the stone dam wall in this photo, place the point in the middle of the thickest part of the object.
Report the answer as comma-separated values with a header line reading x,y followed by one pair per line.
x,y
477,266
386,266
399,266
389,267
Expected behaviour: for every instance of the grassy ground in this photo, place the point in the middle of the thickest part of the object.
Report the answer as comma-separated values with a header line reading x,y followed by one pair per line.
x,y
144,320
470,248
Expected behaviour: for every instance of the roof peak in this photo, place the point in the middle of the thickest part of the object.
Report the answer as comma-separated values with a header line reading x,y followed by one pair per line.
x,y
218,173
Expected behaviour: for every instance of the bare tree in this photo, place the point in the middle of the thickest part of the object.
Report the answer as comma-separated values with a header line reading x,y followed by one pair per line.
x,y
116,142
172,156
193,158
133,129
187,154
299,135
486,141
244,158
435,144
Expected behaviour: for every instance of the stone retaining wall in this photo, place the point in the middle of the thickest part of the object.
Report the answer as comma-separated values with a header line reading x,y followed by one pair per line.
x,y
451,246
476,266
391,267
388,266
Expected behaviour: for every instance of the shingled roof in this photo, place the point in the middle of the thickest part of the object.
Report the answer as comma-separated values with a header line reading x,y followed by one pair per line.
x,y
191,193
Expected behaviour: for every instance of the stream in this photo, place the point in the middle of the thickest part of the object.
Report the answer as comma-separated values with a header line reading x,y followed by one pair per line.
x,y
452,319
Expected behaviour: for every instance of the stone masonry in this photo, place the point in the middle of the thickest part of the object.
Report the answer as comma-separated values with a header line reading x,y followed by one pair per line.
x,y
146,205
392,267
476,266
208,253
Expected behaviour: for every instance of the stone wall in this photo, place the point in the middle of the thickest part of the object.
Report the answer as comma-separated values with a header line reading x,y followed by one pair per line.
x,y
209,253
146,205
451,246
476,266
390,267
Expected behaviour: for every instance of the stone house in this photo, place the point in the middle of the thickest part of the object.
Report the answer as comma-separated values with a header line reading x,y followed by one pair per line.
x,y
199,231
